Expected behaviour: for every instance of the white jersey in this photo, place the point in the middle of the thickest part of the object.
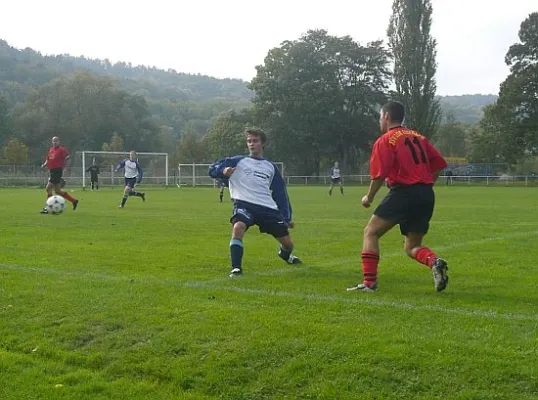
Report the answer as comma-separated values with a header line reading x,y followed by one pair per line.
x,y
132,169
256,181
335,173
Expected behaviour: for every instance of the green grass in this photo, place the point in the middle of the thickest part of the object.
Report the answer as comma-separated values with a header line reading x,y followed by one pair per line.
x,y
103,303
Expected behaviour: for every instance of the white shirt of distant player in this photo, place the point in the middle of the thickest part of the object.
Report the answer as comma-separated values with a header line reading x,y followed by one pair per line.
x,y
251,181
335,173
131,171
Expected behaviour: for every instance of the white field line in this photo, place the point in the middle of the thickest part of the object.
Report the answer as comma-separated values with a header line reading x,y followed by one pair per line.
x,y
363,298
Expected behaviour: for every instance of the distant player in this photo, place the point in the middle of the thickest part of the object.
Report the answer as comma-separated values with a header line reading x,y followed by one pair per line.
x,y
57,157
411,165
336,178
94,175
133,176
260,198
449,174
221,184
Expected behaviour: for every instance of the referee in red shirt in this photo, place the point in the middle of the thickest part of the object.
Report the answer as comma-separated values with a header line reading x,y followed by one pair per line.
x,y
55,162
410,165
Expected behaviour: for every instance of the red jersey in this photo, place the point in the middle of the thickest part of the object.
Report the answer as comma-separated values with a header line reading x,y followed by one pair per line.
x,y
56,157
405,157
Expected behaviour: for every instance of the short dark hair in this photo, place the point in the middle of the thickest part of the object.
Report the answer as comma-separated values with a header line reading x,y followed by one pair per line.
x,y
395,110
258,133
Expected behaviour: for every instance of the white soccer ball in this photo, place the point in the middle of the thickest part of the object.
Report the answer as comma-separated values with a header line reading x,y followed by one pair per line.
x,y
55,204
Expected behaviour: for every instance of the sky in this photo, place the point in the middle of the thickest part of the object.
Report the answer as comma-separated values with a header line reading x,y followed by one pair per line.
x,y
227,39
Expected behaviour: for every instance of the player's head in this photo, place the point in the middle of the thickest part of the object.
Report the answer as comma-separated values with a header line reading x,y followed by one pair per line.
x,y
55,141
256,141
392,114
132,155
336,164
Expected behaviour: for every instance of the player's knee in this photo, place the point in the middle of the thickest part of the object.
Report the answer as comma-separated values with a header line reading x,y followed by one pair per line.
x,y
239,229
370,231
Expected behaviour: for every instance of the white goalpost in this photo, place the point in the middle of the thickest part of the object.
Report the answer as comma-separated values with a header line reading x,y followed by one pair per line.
x,y
154,166
197,174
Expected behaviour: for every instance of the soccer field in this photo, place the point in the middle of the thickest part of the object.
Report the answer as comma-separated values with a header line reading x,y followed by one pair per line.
x,y
136,303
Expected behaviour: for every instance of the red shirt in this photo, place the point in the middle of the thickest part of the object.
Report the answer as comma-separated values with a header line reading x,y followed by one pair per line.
x,y
56,157
403,156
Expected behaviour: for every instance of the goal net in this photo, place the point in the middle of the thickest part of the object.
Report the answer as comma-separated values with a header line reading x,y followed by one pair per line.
x,y
197,174
154,167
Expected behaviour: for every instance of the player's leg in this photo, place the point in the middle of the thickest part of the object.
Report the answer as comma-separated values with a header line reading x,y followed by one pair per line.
x,y
286,249
388,214
126,192
241,219
341,187
48,192
415,229
133,192
221,193
331,188
59,191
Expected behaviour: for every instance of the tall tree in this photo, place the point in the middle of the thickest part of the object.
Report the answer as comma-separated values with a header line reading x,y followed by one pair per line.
x,y
319,96
15,152
5,120
451,137
414,51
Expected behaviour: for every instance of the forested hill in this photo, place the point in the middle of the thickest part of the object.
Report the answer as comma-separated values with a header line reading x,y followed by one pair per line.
x,y
22,70
467,108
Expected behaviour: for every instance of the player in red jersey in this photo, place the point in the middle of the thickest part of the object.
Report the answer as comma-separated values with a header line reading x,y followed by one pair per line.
x,y
55,162
410,164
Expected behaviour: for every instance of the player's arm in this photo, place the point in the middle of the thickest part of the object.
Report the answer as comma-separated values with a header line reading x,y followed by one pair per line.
x,y
120,165
44,163
216,170
381,161
140,172
280,195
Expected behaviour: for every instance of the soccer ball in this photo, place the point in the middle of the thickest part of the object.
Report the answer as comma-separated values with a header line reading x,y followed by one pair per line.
x,y
55,204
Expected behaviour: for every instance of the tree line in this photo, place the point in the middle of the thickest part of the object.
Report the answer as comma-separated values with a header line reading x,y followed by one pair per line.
x,y
318,97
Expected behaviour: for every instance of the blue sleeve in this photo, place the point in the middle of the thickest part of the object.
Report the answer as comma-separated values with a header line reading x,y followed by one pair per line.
x,y
140,173
280,195
331,172
216,169
120,165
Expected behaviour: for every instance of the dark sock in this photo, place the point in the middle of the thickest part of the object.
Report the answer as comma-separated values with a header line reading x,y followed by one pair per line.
x,y
285,253
236,252
123,200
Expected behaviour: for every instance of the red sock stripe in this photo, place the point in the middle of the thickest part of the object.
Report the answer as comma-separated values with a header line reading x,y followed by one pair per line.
x,y
425,256
370,260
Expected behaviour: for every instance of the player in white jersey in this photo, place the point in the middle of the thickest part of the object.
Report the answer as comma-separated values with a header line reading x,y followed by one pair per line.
x,y
260,198
133,176
336,178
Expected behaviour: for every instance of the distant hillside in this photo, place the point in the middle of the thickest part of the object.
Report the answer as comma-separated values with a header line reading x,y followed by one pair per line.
x,y
20,70
167,92
467,108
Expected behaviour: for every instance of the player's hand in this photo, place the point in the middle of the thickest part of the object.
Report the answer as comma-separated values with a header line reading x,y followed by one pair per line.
x,y
291,224
366,201
228,171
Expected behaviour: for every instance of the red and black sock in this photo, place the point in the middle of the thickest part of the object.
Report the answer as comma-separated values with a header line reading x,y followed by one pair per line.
x,y
370,261
425,256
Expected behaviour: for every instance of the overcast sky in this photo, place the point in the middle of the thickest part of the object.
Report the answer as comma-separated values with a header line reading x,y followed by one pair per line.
x,y
229,38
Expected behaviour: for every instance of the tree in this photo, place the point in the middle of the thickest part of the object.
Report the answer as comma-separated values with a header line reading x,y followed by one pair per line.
x,y
192,147
15,152
319,96
451,138
414,51
226,137
5,120
115,144
509,128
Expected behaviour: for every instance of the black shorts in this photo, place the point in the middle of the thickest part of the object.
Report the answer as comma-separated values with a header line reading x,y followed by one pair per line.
x,y
411,207
55,176
336,180
268,220
94,179
131,182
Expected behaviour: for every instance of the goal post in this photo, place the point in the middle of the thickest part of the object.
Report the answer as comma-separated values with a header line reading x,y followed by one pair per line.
x,y
154,166
197,174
